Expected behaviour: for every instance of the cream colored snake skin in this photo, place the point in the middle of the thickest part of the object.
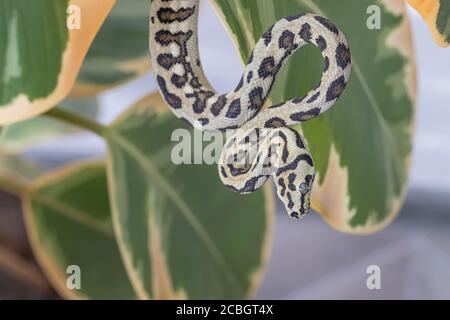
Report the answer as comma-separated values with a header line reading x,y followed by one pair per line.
x,y
263,145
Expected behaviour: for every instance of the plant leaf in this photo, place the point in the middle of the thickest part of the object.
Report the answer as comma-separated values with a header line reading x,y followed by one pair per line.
x,y
119,52
361,147
20,136
40,61
68,222
182,234
437,15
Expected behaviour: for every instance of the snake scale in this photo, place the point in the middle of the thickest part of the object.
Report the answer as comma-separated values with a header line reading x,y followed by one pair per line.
x,y
262,145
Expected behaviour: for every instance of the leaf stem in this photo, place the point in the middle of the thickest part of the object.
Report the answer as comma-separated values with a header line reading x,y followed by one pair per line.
x,y
21,269
76,119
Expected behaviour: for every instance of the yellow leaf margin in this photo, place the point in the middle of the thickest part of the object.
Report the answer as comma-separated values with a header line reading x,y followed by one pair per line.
x,y
429,10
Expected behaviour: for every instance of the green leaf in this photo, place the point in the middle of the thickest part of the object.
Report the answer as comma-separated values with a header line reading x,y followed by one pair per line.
x,y
120,50
182,234
437,15
361,147
68,223
30,133
39,56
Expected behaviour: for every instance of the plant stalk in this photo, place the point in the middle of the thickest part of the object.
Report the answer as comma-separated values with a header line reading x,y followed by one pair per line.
x,y
21,269
77,120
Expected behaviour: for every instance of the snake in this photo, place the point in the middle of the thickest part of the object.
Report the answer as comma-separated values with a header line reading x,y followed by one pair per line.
x,y
261,143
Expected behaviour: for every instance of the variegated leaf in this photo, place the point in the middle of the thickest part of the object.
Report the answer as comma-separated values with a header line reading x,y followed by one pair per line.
x,y
41,51
362,147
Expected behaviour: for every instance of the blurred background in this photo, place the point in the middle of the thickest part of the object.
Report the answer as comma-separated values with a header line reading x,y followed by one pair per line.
x,y
308,259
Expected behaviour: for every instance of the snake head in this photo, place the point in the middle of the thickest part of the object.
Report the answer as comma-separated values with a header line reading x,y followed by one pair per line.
x,y
296,193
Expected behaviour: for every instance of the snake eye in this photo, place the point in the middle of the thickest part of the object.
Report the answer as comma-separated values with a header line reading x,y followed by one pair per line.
x,y
304,188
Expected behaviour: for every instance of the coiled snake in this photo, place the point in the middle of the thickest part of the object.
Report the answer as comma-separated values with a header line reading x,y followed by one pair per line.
x,y
263,145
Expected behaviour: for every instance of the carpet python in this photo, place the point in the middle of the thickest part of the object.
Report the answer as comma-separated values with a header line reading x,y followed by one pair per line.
x,y
262,145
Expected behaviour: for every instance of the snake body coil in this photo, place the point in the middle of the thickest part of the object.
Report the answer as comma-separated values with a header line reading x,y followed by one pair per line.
x,y
263,145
